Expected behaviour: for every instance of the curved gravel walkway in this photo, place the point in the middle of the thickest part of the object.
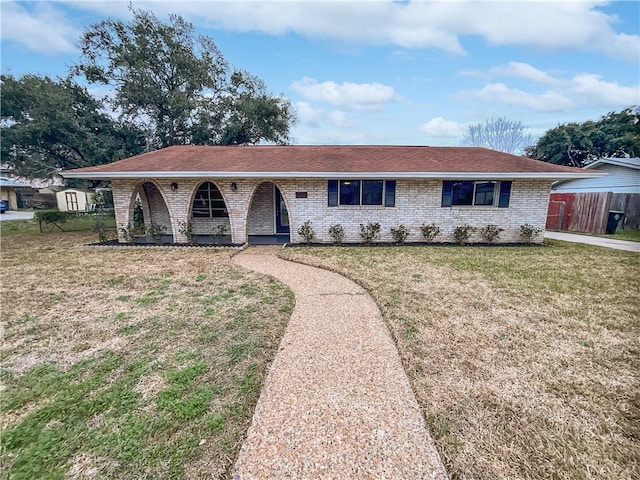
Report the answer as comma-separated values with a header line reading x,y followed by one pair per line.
x,y
336,403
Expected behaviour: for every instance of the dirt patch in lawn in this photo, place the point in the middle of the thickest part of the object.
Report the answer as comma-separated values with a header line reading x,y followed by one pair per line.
x,y
130,363
524,360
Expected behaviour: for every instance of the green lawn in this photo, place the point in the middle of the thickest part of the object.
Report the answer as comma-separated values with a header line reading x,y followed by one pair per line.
x,y
129,363
524,360
77,223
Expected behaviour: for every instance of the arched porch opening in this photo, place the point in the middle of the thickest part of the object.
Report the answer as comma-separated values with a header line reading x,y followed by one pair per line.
x,y
268,216
149,218
208,217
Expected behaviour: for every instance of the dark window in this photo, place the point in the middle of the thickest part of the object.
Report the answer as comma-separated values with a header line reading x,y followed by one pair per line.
x,y
390,193
505,194
361,192
349,192
476,193
333,193
484,193
372,192
463,193
447,193
208,202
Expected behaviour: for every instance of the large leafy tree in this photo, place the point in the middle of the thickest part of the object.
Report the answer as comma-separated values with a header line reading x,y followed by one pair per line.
x,y
177,85
499,134
49,125
616,134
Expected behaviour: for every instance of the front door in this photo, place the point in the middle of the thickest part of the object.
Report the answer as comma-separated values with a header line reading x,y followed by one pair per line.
x,y
282,215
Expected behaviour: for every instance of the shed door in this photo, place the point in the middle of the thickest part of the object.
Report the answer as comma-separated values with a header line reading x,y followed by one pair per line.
x,y
72,200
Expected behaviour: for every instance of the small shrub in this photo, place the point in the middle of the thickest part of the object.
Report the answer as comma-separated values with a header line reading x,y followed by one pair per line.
x,y
219,232
156,231
187,229
528,232
128,233
100,228
369,232
491,232
430,232
306,231
399,234
336,232
462,233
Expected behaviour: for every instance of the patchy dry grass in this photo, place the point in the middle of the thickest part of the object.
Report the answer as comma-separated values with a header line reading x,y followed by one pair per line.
x,y
524,360
130,363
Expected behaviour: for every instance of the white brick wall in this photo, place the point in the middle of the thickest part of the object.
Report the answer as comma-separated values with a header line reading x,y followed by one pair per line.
x,y
260,220
417,202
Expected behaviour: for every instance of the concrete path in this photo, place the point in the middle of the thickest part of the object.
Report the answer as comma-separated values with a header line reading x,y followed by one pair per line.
x,y
16,215
598,241
336,403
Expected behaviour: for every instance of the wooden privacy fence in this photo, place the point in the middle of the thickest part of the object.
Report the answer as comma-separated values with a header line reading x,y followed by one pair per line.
x,y
589,212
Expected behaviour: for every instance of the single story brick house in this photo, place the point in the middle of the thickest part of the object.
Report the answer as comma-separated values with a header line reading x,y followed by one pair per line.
x,y
272,190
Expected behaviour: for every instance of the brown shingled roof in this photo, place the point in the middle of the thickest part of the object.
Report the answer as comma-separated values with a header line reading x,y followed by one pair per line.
x,y
304,161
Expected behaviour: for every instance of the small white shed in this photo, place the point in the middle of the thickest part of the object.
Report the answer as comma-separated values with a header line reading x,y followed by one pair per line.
x,y
75,200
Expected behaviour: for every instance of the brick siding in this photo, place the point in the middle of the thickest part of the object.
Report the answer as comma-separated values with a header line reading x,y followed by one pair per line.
x,y
417,202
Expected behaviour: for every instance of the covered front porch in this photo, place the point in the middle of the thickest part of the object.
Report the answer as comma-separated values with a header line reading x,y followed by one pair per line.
x,y
201,211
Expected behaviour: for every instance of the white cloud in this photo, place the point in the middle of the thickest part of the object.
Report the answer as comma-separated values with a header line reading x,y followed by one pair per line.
x,y
574,25
545,102
357,96
307,115
440,128
583,89
41,28
312,117
339,118
593,90
525,71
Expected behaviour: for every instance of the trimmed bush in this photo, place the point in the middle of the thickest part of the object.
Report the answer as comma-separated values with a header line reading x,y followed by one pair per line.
x,y
336,232
400,234
430,232
462,233
528,232
186,229
128,233
491,232
156,231
306,231
369,232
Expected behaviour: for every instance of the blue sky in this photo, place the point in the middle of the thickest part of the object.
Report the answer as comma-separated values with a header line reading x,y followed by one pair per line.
x,y
381,72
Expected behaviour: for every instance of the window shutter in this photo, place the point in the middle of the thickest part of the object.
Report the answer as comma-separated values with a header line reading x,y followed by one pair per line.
x,y
447,193
390,193
505,193
332,193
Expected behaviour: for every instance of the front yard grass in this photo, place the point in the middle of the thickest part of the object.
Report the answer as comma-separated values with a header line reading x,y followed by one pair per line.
x,y
524,360
129,363
77,223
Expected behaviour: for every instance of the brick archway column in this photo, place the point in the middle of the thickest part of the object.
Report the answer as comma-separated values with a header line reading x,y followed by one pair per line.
x,y
123,190
238,202
178,203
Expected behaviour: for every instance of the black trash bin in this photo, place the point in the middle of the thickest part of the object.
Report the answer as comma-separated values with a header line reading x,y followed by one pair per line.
x,y
615,218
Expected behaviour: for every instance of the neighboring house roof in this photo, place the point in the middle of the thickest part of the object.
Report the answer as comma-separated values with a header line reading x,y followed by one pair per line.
x,y
328,162
621,162
623,176
8,183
